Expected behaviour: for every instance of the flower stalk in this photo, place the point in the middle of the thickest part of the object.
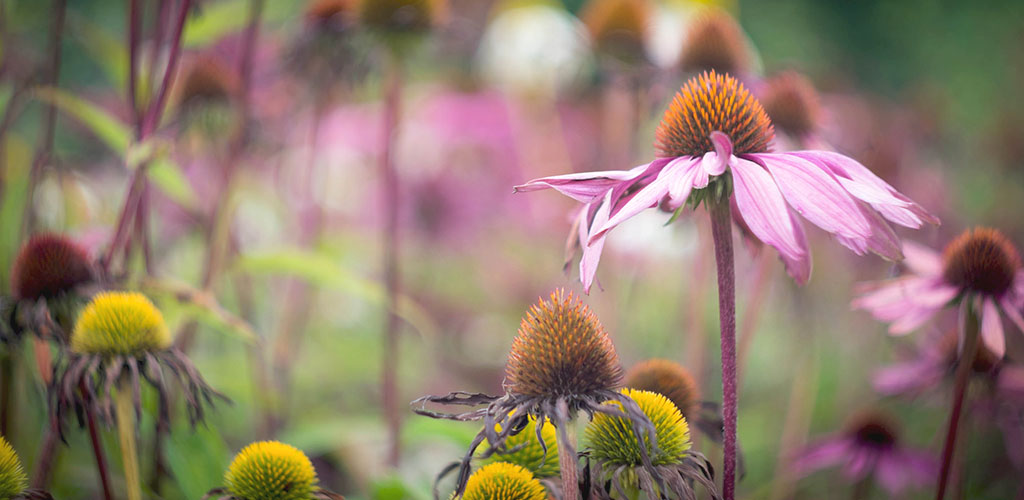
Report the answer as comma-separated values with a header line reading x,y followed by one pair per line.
x,y
567,463
970,325
126,435
721,231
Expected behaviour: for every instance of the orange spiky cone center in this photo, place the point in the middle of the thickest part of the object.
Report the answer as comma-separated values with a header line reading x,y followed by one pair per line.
x,y
713,102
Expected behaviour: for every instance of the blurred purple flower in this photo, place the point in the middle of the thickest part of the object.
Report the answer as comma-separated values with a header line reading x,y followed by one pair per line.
x,y
714,124
981,265
870,448
933,363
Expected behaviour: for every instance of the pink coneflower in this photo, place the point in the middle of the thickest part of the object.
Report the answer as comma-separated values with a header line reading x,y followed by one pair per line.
x,y
981,265
870,449
714,140
713,147
933,363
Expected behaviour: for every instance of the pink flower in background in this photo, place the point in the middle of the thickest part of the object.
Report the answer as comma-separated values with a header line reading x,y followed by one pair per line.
x,y
715,126
980,265
870,448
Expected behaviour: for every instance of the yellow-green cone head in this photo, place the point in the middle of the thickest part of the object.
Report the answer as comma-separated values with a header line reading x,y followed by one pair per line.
x,y
269,470
667,378
611,439
527,451
503,481
120,324
12,477
561,350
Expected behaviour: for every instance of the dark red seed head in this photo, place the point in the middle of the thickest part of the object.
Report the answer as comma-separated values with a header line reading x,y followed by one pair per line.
x,y
49,265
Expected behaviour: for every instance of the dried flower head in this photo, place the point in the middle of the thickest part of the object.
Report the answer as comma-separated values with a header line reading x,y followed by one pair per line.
x,y
120,323
981,260
410,16
715,42
618,28
536,451
669,379
561,362
49,265
792,103
561,350
207,81
503,481
713,102
12,476
122,337
617,455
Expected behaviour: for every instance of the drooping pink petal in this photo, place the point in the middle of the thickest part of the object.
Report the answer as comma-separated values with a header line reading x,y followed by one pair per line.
x,y
798,268
764,209
921,259
1012,311
681,184
909,377
861,462
821,455
592,247
816,195
585,187
715,162
647,197
992,328
891,472
883,240
906,303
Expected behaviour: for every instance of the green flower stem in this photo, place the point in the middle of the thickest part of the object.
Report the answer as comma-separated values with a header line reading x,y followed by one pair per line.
x,y
126,434
963,371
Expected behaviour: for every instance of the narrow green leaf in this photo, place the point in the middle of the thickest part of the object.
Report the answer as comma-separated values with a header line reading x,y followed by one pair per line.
x,y
167,175
105,125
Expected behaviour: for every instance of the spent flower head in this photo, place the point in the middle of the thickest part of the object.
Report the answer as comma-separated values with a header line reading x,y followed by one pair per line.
x,y
792,103
48,266
715,41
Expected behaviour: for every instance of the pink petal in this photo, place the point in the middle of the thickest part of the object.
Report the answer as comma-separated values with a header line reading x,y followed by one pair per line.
x,y
765,211
906,303
1012,311
592,247
798,268
681,184
821,455
921,259
883,240
648,196
891,472
715,162
909,377
992,328
816,195
585,187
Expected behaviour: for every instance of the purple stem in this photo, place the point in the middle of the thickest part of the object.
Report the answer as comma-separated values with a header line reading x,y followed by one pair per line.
x,y
155,109
963,371
44,461
389,189
721,232
133,63
97,448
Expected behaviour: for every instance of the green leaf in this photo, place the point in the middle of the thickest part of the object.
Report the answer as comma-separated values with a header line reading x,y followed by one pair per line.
x,y
230,16
103,124
202,306
105,48
322,270
167,175
197,459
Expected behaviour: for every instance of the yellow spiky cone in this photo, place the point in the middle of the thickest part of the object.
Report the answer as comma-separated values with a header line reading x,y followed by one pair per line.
x,y
120,323
503,481
611,439
12,476
270,470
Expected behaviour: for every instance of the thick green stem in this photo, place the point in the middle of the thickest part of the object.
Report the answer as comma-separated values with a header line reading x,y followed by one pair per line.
x,y
126,434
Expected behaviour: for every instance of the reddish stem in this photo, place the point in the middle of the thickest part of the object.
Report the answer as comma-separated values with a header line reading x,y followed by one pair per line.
x,y
155,110
390,198
97,447
963,371
721,231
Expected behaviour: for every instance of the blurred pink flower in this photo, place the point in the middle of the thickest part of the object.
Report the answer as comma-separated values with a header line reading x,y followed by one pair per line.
x,y
714,124
981,265
870,448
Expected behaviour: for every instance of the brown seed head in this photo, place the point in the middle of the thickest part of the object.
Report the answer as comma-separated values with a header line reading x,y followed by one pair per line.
x,y
401,15
669,379
561,350
792,103
206,81
713,102
715,41
618,27
873,428
981,260
49,265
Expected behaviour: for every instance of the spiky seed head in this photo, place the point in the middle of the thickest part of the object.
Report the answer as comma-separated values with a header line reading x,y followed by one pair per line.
x,y
503,481
669,379
713,102
611,439
409,16
49,265
984,360
561,350
120,323
270,470
715,42
12,476
873,428
981,260
618,27
524,449
792,103
207,81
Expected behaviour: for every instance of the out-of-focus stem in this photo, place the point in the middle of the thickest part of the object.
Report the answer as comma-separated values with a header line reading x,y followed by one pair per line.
x,y
44,461
126,435
6,372
154,111
97,447
963,371
721,232
389,191
44,153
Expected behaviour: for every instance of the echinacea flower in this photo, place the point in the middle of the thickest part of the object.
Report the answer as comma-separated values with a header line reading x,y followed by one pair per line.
x,y
120,340
271,470
870,448
713,145
615,453
48,266
715,41
933,363
675,382
562,362
618,28
980,266
503,481
205,98
13,481
792,104
535,451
